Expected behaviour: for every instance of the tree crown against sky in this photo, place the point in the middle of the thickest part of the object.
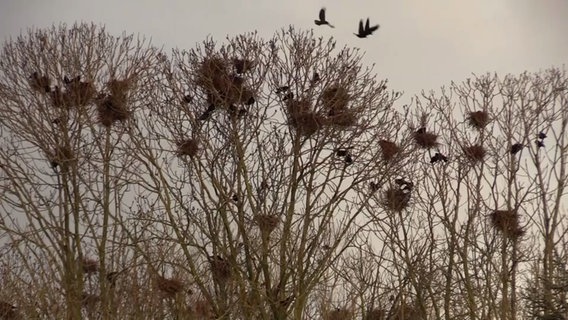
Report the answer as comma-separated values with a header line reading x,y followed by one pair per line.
x,y
272,178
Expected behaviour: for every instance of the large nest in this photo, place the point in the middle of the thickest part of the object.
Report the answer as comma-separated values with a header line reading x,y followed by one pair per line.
x,y
61,156
8,311
344,118
507,223
478,119
188,147
169,286
475,153
375,314
112,108
266,223
220,269
243,65
213,74
424,139
79,93
302,118
89,266
389,149
40,83
335,99
59,99
339,314
396,198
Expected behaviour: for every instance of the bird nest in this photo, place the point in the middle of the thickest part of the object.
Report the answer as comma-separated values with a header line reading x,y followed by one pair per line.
x,y
220,269
60,156
213,73
335,99
344,118
339,314
507,223
388,149
119,87
266,222
90,266
396,199
475,153
169,286
478,119
302,118
59,99
426,140
375,314
89,300
80,93
40,83
188,147
243,65
112,108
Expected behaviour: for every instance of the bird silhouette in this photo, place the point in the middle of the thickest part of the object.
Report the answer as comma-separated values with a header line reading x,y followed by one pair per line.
x,y
516,148
322,19
542,135
207,113
539,143
366,30
438,157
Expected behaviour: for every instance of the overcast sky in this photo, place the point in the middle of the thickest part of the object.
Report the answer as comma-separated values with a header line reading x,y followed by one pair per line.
x,y
421,44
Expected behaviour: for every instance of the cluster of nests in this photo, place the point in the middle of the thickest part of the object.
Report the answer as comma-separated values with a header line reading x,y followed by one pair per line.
x,y
224,86
475,153
111,106
307,121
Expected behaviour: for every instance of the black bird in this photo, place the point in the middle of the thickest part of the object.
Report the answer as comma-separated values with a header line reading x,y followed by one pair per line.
x,y
316,77
207,114
405,186
322,19
421,130
282,89
516,148
438,157
539,143
374,186
187,98
542,135
367,30
348,160
342,152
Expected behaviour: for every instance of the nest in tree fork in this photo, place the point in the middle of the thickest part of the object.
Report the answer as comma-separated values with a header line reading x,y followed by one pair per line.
x,y
112,108
478,119
169,286
80,93
213,74
375,314
424,139
89,266
60,156
339,314
266,222
243,65
335,99
40,83
396,199
389,149
475,153
507,223
220,269
188,147
302,118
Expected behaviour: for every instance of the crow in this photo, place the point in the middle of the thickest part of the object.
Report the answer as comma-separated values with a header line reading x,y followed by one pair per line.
x,y
342,152
348,160
542,135
367,30
539,143
516,148
438,157
322,19
207,113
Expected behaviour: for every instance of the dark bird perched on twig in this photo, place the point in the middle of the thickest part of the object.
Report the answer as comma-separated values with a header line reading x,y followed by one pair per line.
x,y
542,135
367,30
539,143
516,148
322,19
404,185
438,157
207,114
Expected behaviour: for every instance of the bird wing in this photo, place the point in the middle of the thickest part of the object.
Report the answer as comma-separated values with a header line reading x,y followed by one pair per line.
x,y
373,28
367,25
322,14
361,29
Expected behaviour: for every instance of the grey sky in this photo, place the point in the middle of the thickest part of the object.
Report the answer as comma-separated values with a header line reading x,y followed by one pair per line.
x,y
422,44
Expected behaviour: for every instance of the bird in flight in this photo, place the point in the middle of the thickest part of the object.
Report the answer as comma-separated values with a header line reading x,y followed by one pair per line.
x,y
322,19
366,30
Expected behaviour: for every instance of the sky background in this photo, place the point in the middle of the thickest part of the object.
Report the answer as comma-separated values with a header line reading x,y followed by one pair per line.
x,y
421,44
